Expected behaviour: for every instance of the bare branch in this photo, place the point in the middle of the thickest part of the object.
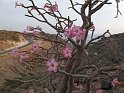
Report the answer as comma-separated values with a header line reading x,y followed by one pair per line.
x,y
73,75
99,7
118,11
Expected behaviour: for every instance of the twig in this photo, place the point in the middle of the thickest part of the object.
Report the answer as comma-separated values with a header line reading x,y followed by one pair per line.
x,y
73,75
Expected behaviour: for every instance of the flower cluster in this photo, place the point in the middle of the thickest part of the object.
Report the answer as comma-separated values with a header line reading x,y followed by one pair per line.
x,y
76,32
51,8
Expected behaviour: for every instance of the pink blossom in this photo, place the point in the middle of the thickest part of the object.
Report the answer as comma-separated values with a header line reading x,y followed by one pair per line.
x,y
52,65
115,81
78,32
76,29
69,33
99,91
15,51
80,36
51,8
29,28
17,4
35,47
31,91
67,51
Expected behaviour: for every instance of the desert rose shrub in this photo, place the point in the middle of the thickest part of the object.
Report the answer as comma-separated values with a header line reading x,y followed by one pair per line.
x,y
68,54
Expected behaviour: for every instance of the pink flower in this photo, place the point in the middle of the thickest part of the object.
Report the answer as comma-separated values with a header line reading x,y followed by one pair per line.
x,y
99,91
67,51
17,4
52,65
35,47
51,8
15,51
31,91
76,29
80,35
115,81
78,32
29,28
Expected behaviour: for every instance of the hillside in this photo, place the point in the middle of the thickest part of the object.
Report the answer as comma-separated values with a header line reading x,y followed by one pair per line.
x,y
10,38
107,51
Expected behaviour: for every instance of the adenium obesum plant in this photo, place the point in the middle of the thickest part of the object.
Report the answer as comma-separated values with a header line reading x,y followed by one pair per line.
x,y
69,46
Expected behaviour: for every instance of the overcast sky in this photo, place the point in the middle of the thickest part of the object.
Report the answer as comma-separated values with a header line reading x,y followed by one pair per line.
x,y
15,19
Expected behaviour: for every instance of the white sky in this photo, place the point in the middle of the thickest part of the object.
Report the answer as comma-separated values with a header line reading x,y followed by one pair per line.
x,y
15,19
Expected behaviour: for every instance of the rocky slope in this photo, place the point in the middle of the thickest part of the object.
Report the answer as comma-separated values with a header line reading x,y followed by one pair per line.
x,y
9,39
107,51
